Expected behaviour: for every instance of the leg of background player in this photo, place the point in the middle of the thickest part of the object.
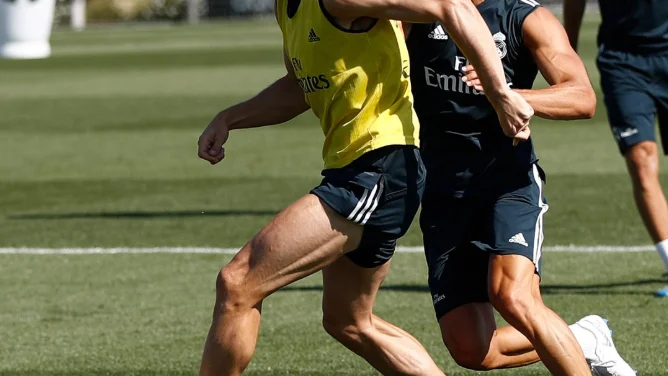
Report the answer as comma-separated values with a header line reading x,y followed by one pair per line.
x,y
514,291
301,240
642,161
474,342
349,294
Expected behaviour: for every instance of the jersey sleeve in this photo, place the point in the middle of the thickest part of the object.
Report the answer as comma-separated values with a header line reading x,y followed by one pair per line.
x,y
519,11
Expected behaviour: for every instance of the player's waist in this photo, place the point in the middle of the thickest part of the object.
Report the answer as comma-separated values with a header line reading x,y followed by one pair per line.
x,y
342,155
634,44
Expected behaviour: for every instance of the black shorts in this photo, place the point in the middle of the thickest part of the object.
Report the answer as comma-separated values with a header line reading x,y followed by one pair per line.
x,y
460,234
635,88
381,191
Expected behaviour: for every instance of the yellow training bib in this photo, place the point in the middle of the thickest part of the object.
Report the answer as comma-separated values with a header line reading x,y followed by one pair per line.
x,y
357,83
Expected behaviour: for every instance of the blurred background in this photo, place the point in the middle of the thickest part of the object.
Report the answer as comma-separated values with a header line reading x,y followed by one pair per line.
x,y
112,231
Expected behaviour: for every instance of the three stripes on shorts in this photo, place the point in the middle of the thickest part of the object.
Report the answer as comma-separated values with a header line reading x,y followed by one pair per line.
x,y
366,205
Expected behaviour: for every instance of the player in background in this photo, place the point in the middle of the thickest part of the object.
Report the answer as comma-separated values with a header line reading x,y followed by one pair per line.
x,y
347,61
483,207
633,62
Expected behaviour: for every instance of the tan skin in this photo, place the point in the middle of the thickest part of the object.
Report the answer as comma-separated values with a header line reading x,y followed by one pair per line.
x,y
308,236
537,333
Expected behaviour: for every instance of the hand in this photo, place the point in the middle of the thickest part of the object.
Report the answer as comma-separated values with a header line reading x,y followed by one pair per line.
x,y
212,140
471,78
514,115
514,112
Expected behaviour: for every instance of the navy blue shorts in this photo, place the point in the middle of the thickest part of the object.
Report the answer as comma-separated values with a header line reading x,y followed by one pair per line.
x,y
381,191
635,88
461,233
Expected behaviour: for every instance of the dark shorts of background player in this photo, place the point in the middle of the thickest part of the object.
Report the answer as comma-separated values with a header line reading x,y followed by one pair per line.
x,y
461,233
635,89
381,191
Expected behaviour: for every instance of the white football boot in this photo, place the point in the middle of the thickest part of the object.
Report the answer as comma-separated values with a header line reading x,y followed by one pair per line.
x,y
603,359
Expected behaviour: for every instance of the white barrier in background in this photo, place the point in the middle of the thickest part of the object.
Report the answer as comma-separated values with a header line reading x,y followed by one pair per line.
x,y
25,28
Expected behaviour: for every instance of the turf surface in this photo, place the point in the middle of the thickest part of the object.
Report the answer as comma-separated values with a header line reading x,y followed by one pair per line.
x,y
98,150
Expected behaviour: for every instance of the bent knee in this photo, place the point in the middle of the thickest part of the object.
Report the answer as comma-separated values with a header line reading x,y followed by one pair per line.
x,y
342,330
232,291
472,356
514,304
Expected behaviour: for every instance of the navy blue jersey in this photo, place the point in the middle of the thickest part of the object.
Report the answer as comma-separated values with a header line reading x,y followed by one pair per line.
x,y
638,26
463,145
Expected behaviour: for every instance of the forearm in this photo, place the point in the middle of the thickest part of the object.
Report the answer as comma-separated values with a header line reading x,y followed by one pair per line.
x,y
280,102
562,102
573,13
468,29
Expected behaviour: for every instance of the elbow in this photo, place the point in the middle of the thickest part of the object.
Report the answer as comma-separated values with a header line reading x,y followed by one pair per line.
x,y
587,105
442,10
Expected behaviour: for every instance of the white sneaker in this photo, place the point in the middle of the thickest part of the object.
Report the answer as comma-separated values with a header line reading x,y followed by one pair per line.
x,y
604,360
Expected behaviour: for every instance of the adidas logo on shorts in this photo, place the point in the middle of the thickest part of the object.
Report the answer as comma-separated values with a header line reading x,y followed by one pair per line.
x,y
519,239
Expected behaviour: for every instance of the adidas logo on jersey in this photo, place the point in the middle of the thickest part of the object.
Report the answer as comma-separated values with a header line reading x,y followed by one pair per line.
x,y
519,239
438,33
313,37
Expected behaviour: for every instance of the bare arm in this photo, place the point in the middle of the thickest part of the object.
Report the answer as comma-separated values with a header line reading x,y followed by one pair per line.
x,y
281,101
573,12
570,95
459,17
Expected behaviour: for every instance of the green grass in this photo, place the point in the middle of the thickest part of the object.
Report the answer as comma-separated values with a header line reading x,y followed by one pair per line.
x,y
98,149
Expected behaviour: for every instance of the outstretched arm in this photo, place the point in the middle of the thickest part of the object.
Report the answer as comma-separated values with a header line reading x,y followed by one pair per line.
x,y
468,29
573,12
281,101
570,95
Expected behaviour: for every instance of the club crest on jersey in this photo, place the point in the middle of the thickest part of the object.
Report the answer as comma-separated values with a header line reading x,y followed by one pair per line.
x,y
438,33
500,41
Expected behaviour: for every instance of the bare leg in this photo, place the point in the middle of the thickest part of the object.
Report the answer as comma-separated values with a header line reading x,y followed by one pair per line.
x,y
514,292
470,334
301,240
350,292
642,161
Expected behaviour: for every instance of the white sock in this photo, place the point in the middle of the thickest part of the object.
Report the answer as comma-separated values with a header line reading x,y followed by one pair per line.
x,y
587,341
662,248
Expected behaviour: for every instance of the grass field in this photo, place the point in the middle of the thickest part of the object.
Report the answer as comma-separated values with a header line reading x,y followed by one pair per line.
x,y
98,149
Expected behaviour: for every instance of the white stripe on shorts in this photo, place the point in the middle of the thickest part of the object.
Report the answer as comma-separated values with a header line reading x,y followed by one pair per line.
x,y
360,203
367,205
373,207
538,236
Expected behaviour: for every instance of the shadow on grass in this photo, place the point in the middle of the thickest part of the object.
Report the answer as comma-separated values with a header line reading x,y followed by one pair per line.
x,y
546,289
145,214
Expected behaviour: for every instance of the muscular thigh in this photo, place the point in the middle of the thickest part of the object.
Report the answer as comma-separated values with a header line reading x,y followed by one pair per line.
x,y
299,241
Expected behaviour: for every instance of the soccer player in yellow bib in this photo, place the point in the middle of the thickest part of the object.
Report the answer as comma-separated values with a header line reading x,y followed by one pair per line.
x,y
347,61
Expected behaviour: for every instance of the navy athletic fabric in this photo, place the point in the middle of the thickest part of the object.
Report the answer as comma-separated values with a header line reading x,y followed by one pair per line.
x,y
637,26
463,144
381,191
460,234
635,89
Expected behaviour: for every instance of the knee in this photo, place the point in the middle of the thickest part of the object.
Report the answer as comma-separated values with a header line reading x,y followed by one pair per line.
x,y
232,292
467,354
643,165
344,331
514,305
